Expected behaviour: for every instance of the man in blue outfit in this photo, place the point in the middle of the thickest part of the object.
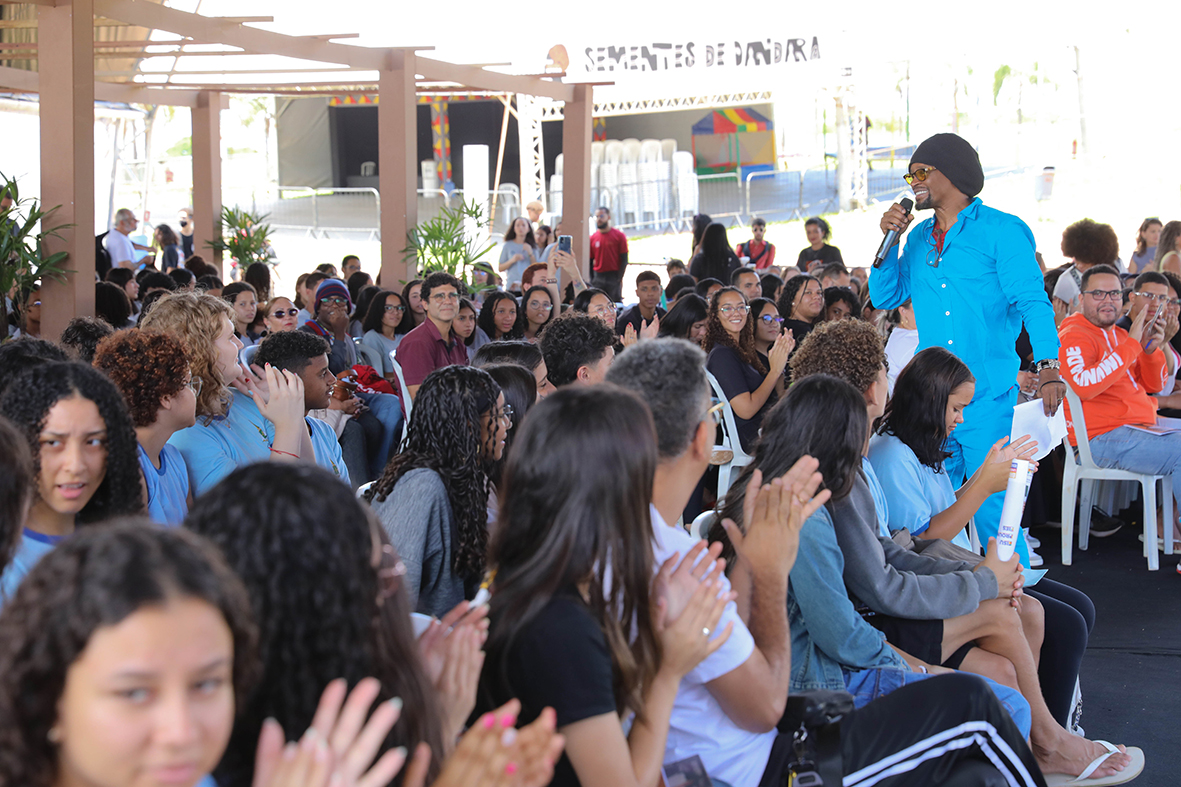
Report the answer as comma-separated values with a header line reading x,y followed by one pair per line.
x,y
971,273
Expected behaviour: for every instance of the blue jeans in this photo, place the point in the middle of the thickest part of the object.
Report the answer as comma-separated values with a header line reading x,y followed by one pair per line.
x,y
1140,452
985,422
868,685
387,409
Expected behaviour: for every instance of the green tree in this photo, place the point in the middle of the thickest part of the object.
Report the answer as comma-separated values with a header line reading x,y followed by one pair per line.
x,y
23,260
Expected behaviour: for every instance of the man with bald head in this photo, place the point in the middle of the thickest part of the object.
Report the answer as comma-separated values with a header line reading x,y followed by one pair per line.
x,y
972,276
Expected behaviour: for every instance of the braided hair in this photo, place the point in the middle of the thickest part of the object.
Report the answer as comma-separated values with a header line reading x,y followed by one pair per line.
x,y
445,436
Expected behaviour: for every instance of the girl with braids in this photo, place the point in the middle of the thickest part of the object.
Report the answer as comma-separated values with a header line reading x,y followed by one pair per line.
x,y
750,387
572,566
432,499
84,456
125,654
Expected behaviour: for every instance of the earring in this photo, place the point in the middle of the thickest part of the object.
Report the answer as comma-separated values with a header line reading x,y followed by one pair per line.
x,y
54,735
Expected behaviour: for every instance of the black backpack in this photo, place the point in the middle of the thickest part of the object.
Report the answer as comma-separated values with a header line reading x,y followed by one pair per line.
x,y
102,257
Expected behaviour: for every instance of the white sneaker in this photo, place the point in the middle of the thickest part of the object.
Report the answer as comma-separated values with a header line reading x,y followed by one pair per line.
x,y
1033,541
1035,560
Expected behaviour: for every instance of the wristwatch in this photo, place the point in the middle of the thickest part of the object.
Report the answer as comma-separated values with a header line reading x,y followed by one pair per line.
x,y
1047,363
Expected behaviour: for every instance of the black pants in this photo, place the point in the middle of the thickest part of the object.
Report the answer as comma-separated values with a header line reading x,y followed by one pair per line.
x,y
947,730
610,282
1070,616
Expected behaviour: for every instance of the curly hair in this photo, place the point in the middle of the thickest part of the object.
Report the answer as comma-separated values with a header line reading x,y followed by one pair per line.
x,y
717,336
147,368
825,230
291,350
444,436
669,375
487,318
268,519
851,350
917,412
82,335
197,319
1090,242
834,294
93,580
16,488
27,404
572,341
791,289
440,279
19,355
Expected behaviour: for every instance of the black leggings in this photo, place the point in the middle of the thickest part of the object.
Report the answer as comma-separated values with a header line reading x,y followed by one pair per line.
x,y
1070,616
946,730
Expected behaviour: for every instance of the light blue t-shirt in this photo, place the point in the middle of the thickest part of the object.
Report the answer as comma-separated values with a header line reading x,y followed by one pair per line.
x,y
881,506
327,447
211,452
33,546
528,257
914,492
168,486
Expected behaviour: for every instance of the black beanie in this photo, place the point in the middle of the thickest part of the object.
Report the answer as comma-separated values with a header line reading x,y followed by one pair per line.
x,y
955,158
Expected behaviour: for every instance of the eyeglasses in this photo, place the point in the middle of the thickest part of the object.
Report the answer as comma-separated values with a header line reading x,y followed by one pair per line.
x,y
545,306
740,308
439,297
602,311
390,308
770,319
506,414
335,301
195,384
284,313
714,412
1105,295
919,175
1148,296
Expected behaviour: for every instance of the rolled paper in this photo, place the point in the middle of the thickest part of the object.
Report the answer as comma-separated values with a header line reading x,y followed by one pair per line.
x,y
1010,525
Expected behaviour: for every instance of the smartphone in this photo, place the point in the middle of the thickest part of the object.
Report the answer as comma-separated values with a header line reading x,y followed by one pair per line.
x,y
565,243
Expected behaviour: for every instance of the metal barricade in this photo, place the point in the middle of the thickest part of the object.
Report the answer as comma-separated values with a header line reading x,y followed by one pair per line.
x,y
720,195
775,193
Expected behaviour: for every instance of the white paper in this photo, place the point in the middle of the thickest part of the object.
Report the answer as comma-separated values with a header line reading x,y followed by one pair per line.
x,y
1030,418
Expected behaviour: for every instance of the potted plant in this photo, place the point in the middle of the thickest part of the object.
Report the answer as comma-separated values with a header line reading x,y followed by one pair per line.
x,y
244,238
23,231
444,244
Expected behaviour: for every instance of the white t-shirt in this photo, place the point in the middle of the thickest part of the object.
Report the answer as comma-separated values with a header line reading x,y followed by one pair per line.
x,y
698,724
119,247
900,349
1067,288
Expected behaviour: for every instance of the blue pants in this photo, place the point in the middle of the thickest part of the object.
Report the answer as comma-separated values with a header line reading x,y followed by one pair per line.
x,y
387,409
1140,452
868,685
985,422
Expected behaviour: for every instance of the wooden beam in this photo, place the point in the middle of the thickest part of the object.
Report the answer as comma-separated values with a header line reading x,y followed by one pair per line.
x,y
159,17
22,81
66,85
397,158
479,79
576,144
178,73
207,174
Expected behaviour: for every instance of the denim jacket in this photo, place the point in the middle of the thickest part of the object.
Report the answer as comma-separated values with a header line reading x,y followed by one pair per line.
x,y
827,634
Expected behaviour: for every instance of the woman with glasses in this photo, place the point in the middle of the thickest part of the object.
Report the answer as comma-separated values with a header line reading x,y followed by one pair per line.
x,y
499,317
539,310
84,457
385,323
597,304
280,314
432,498
751,387
151,370
768,327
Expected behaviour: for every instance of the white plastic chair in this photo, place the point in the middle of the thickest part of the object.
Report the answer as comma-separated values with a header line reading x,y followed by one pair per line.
x,y
363,488
404,392
730,441
1080,470
247,354
368,355
368,169
702,524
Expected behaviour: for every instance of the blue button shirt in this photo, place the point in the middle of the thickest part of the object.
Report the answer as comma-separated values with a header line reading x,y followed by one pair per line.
x,y
168,486
973,297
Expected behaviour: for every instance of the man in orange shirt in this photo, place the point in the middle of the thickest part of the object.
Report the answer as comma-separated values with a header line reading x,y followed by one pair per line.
x,y
1114,372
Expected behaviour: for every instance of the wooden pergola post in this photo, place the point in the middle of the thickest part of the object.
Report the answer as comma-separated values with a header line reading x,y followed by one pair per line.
x,y
576,147
207,174
397,151
66,35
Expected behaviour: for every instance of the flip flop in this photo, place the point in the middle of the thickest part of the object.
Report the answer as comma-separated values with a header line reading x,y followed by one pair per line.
x,y
1130,771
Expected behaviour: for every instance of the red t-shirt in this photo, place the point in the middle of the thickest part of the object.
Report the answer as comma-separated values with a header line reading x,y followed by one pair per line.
x,y
606,249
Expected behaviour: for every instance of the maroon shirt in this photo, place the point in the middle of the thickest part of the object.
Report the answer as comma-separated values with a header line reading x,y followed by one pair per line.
x,y
423,350
606,249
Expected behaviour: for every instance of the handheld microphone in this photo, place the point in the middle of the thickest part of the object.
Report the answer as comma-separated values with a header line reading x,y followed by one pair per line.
x,y
891,236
